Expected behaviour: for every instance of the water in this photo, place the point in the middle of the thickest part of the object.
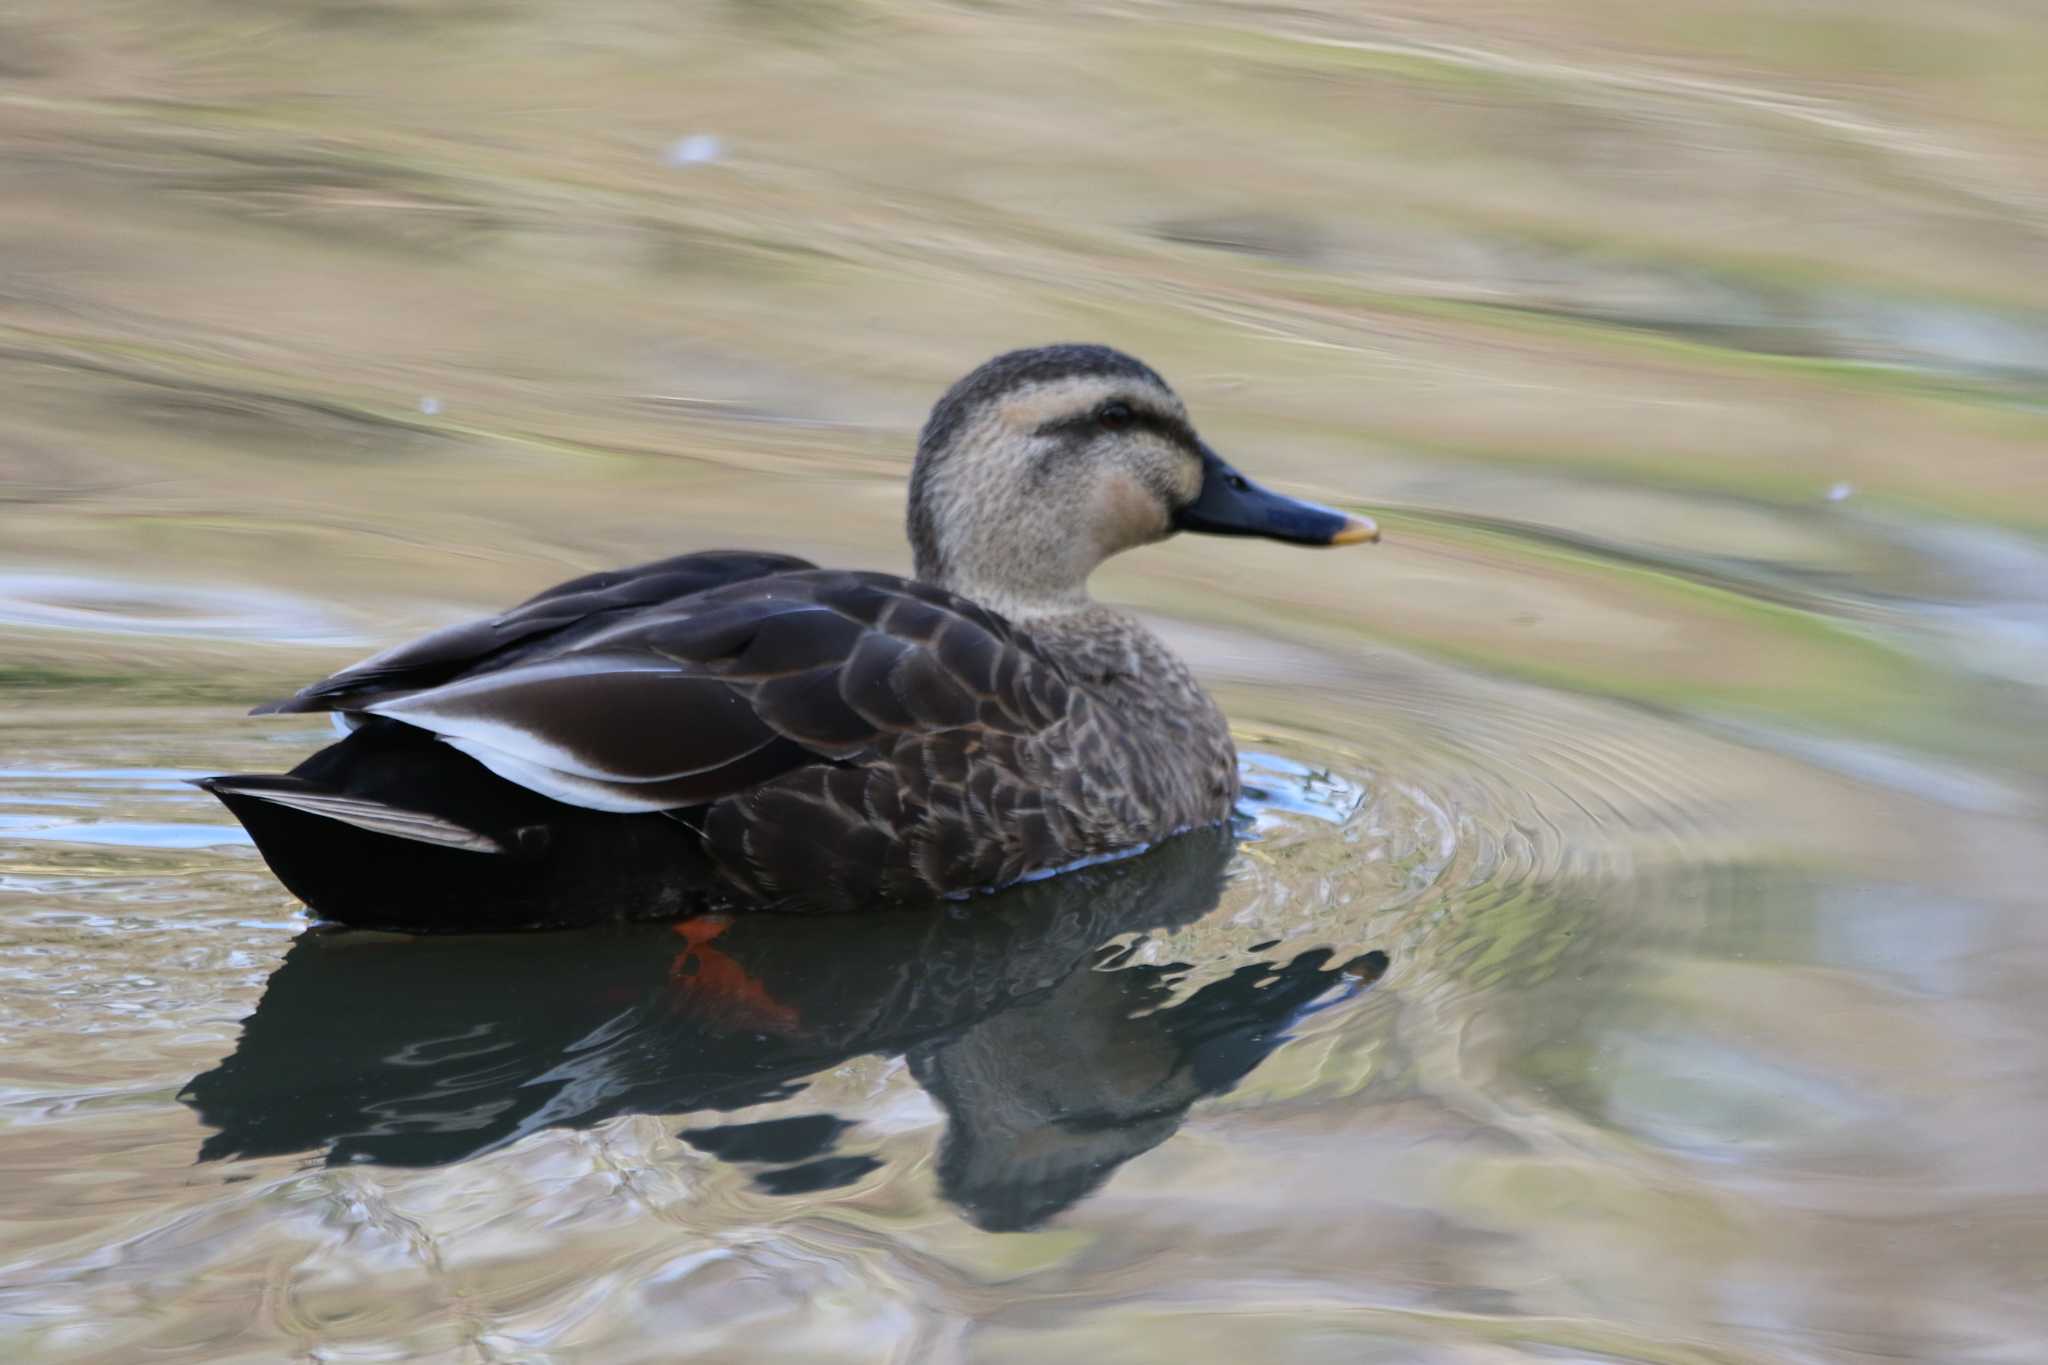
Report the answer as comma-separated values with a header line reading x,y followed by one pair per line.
x,y
1632,941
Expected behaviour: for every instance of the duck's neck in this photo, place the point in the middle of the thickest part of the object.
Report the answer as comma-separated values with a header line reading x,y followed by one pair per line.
x,y
990,559
1022,605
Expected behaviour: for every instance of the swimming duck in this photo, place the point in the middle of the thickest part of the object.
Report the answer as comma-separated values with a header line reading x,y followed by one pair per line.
x,y
739,729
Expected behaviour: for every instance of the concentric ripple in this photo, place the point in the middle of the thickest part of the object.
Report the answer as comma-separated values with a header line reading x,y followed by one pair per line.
x,y
1463,918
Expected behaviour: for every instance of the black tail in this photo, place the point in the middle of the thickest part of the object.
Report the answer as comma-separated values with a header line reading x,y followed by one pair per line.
x,y
390,829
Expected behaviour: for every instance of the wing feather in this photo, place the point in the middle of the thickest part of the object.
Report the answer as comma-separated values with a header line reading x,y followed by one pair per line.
x,y
808,708
398,822
684,701
610,717
536,625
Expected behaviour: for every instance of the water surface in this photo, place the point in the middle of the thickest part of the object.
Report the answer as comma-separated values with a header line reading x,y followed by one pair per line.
x,y
1631,944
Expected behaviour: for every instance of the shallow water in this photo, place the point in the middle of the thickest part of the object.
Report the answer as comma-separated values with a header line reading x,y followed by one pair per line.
x,y
1631,945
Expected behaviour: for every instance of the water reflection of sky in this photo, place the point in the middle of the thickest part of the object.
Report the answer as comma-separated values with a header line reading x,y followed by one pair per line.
x,y
1682,748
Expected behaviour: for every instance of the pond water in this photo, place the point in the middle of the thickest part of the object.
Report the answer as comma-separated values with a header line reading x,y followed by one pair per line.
x,y
1631,945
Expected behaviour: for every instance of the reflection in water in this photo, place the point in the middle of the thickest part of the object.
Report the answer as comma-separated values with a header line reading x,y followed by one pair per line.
x,y
1055,1058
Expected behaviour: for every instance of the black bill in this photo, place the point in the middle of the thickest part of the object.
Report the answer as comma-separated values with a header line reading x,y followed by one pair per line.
x,y
1232,505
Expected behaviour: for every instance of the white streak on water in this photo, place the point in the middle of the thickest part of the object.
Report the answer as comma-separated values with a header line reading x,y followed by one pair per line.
x,y
698,149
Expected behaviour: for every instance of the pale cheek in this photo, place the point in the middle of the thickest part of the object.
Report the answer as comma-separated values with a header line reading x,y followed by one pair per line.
x,y
1127,514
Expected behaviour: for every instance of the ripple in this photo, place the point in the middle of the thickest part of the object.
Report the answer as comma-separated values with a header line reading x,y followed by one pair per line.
x,y
116,794
123,833
116,606
156,778
1481,802
1276,787
1431,937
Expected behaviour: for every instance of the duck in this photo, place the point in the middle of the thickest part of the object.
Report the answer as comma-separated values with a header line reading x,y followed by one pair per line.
x,y
739,730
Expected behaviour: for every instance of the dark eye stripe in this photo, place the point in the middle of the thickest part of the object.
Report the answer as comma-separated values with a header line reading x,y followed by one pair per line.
x,y
1141,419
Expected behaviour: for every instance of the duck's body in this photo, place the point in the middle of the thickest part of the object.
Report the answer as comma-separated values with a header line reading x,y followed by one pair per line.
x,y
877,741
737,729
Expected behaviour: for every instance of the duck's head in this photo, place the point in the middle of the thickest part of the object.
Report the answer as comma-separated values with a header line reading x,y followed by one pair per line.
x,y
1043,463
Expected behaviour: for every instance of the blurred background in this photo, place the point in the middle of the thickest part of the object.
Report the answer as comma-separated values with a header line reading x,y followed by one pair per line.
x,y
1684,745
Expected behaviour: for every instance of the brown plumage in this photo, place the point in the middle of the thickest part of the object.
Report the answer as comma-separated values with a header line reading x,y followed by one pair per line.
x,y
738,728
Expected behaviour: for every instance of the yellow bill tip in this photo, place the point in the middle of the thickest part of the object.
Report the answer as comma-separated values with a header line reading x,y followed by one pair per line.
x,y
1357,531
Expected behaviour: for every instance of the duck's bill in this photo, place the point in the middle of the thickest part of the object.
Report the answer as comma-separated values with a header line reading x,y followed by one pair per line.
x,y
1232,505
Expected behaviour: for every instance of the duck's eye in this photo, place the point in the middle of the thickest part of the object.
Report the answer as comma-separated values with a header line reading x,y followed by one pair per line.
x,y
1114,416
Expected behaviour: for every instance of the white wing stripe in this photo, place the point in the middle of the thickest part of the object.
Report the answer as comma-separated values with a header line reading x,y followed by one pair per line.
x,y
418,826
458,711
569,788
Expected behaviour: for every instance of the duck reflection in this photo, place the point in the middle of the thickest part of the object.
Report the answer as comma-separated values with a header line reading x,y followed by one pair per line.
x,y
1054,1059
